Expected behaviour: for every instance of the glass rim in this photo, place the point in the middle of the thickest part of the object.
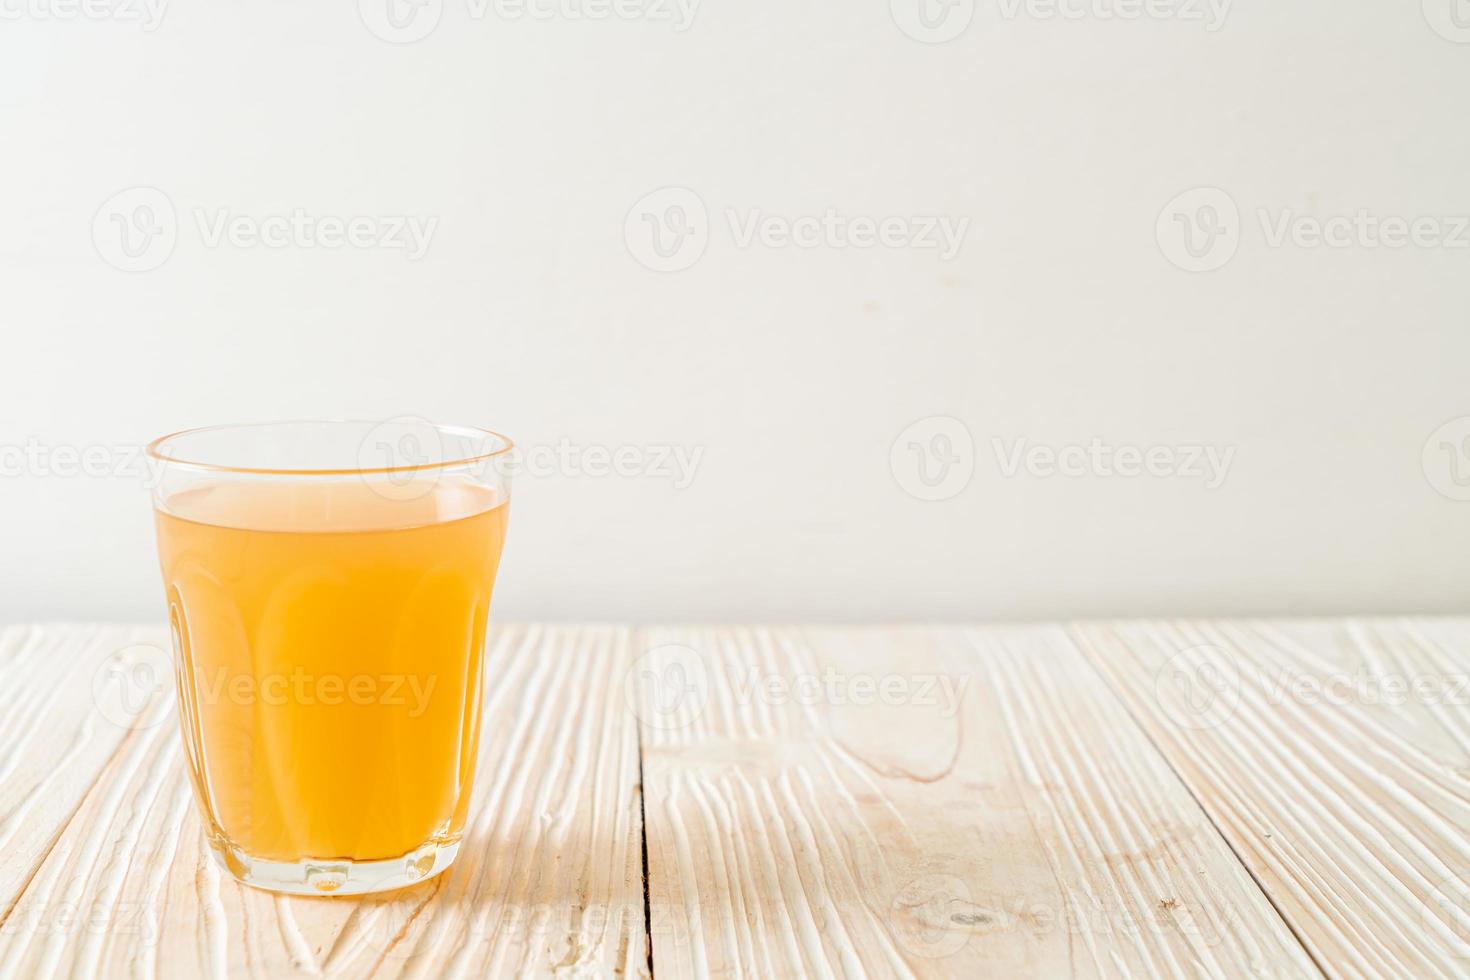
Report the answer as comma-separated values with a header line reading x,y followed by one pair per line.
x,y
155,449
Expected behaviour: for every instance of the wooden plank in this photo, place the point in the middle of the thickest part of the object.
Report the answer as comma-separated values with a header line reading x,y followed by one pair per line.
x,y
923,802
548,879
54,740
1335,757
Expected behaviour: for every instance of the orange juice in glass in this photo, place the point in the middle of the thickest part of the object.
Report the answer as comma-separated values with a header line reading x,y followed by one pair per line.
x,y
328,589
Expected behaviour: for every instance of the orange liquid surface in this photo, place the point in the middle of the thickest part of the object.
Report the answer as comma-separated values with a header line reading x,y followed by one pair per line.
x,y
330,642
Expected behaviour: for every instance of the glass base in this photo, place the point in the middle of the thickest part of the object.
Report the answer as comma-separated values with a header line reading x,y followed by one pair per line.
x,y
336,876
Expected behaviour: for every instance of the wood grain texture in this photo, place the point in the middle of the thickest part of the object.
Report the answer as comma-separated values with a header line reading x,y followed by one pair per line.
x,y
818,805
548,880
1097,800
1335,757
53,741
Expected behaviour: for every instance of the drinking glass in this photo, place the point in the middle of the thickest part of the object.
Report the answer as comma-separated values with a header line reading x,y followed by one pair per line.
x,y
328,587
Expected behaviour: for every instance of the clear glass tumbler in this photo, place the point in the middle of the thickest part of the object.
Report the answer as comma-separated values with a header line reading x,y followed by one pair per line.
x,y
328,589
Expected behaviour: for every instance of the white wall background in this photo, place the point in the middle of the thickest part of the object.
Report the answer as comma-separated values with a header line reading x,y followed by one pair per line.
x,y
793,369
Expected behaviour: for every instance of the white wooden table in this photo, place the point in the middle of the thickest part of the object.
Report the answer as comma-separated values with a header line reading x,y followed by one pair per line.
x,y
1184,798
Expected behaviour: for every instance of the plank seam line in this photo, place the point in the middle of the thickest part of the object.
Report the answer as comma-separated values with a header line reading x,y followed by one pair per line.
x,y
1089,655
643,842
